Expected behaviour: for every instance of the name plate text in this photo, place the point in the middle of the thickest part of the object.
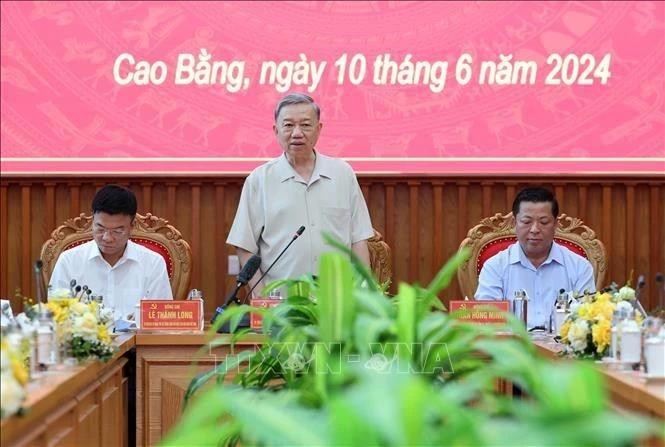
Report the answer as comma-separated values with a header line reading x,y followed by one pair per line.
x,y
480,312
171,315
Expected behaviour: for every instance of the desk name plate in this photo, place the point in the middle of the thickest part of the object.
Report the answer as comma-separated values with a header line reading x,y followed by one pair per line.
x,y
256,320
480,312
170,315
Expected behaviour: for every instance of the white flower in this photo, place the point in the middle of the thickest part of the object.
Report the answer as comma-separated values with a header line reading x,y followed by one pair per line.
x,y
106,315
624,306
85,326
574,306
626,294
577,334
11,394
79,308
59,294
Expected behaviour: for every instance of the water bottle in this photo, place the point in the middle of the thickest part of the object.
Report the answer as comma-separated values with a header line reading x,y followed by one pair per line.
x,y
614,340
45,343
560,312
631,341
654,347
519,306
275,294
196,294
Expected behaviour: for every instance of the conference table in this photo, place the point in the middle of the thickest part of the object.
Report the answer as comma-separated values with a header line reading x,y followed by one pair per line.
x,y
136,397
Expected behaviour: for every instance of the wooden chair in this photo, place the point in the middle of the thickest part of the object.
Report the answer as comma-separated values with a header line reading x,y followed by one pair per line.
x,y
379,258
494,234
150,231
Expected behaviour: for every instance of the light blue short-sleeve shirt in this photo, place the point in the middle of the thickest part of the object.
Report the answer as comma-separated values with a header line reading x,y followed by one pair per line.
x,y
510,270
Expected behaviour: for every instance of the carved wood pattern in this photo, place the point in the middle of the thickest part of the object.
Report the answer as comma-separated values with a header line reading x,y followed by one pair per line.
x,y
447,207
379,258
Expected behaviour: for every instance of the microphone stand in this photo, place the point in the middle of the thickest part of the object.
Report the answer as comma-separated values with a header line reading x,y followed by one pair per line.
x,y
244,276
295,236
638,293
661,289
233,297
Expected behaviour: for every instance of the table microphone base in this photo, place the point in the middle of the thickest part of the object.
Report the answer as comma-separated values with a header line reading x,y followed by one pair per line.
x,y
226,329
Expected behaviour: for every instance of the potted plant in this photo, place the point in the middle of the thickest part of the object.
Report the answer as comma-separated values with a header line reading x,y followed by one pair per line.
x,y
343,364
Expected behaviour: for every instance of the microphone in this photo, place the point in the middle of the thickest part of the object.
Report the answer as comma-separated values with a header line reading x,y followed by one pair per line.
x,y
40,284
638,293
249,269
295,236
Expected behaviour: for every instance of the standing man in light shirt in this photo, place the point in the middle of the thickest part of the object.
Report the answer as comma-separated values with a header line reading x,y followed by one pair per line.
x,y
535,262
300,187
111,265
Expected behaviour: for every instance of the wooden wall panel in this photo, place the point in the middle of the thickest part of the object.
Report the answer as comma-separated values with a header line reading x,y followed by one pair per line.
x,y
423,219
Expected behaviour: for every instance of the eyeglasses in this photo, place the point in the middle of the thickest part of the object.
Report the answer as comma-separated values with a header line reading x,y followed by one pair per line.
x,y
99,231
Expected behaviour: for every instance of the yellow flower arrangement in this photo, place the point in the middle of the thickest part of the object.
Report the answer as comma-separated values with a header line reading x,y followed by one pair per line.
x,y
588,329
82,327
13,378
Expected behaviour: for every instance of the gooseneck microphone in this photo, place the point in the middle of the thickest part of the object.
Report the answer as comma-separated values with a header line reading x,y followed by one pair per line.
x,y
638,293
295,236
248,271
660,281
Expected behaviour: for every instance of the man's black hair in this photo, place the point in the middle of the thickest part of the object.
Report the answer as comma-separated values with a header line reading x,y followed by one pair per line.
x,y
115,199
535,195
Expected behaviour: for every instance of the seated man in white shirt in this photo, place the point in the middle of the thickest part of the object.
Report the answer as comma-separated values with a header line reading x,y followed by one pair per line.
x,y
111,265
535,263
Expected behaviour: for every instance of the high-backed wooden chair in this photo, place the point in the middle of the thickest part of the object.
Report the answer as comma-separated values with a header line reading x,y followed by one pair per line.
x,y
379,258
496,233
150,231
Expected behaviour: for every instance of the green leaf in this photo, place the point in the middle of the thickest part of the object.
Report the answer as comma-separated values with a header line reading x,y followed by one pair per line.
x,y
199,424
568,389
273,419
370,330
359,266
406,319
231,363
336,302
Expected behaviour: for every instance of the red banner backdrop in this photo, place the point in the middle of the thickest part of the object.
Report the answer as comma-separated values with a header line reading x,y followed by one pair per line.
x,y
405,87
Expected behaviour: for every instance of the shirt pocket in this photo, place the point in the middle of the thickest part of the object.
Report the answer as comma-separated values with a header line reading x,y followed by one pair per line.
x,y
337,221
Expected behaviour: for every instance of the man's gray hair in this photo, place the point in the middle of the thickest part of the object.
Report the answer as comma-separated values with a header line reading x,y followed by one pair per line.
x,y
297,98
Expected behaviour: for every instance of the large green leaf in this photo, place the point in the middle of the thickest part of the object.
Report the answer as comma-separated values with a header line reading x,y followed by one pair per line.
x,y
277,419
406,320
220,371
362,269
336,302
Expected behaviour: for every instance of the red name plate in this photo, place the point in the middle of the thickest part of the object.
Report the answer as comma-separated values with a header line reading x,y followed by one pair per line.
x,y
256,320
480,312
171,315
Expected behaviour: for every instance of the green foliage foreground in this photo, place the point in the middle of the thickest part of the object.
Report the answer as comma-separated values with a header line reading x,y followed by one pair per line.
x,y
343,364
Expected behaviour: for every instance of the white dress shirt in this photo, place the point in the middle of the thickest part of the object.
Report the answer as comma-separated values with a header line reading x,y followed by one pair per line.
x,y
276,201
510,270
139,273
